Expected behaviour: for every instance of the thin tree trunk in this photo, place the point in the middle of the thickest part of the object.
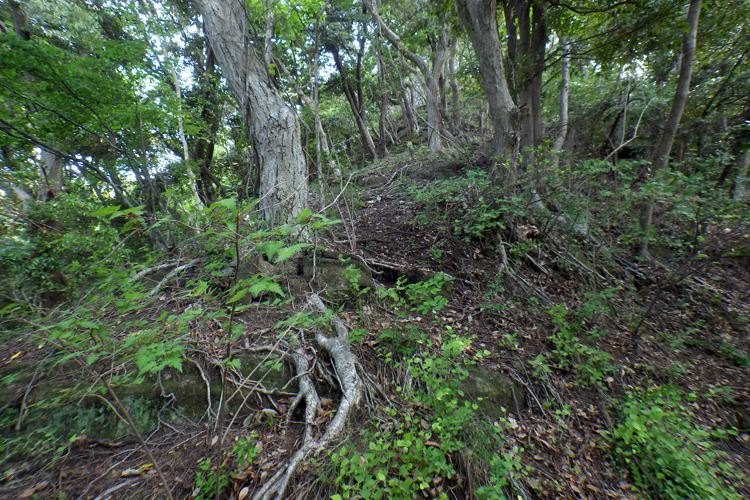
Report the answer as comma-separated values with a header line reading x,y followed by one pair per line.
x,y
455,119
272,124
356,107
268,45
660,157
183,139
537,49
562,127
208,183
740,182
383,100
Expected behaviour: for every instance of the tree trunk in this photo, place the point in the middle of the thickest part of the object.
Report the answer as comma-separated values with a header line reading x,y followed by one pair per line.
x,y
434,117
527,20
354,104
660,157
537,53
562,127
740,182
383,143
208,183
478,16
272,124
455,118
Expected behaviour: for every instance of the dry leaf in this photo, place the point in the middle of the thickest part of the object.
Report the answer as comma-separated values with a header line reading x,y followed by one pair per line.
x,y
244,492
27,493
131,472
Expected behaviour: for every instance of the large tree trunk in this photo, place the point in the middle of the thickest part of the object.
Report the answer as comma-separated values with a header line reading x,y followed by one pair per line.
x,y
272,124
660,157
526,24
478,16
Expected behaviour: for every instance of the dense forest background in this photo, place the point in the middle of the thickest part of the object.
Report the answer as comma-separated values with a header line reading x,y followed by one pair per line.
x,y
380,249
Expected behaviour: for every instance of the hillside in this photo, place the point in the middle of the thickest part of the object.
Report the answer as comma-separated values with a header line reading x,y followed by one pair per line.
x,y
507,345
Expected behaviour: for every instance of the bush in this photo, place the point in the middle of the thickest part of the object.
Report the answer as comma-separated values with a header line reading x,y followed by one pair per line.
x,y
666,454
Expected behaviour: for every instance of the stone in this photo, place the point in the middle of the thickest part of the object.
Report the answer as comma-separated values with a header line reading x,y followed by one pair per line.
x,y
498,393
338,276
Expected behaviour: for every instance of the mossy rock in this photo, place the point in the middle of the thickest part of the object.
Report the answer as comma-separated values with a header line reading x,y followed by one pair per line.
x,y
336,275
493,392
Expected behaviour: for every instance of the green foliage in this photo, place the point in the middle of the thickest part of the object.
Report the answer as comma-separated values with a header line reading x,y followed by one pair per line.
x,y
105,327
667,455
245,449
470,204
52,252
423,297
414,454
571,352
205,480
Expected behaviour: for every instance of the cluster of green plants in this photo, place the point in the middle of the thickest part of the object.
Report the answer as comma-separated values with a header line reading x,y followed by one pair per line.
x,y
470,204
105,334
405,299
570,352
667,455
243,453
615,193
52,251
417,450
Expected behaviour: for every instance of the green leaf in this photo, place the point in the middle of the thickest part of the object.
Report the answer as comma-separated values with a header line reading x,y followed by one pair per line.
x,y
237,296
270,248
304,216
286,252
202,286
266,285
102,212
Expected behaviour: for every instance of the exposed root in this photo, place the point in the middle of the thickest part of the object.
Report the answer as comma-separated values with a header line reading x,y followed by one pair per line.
x,y
345,364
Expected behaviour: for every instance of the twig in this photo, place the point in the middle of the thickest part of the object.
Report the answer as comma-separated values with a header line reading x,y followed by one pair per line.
x,y
140,438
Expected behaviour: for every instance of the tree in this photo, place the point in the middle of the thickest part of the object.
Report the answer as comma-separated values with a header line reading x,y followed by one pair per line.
x,y
479,18
660,157
271,123
430,74
526,24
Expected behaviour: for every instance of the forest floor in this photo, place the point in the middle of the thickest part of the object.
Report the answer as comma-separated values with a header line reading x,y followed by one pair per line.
x,y
689,321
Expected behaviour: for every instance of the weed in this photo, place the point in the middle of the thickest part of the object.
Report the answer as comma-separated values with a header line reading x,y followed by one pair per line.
x,y
667,455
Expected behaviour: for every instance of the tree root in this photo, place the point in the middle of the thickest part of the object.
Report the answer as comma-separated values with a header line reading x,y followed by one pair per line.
x,y
345,364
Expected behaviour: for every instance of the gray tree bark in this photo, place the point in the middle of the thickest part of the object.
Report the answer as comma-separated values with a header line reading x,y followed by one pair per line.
x,y
479,18
455,118
660,157
740,182
271,123
562,127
